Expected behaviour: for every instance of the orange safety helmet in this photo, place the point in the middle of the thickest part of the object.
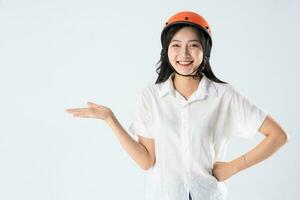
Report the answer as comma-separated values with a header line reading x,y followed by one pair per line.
x,y
187,17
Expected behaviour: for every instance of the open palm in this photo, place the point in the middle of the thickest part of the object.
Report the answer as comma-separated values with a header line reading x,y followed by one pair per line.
x,y
92,111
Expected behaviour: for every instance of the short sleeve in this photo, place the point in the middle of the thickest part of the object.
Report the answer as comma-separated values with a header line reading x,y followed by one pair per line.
x,y
245,117
141,123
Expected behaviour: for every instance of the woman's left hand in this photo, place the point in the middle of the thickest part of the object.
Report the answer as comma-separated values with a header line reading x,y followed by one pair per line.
x,y
223,170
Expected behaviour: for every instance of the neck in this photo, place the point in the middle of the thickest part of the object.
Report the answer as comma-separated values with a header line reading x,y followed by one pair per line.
x,y
185,84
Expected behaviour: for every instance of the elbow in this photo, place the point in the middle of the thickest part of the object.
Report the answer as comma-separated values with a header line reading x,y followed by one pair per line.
x,y
286,137
271,128
283,138
278,138
148,166
142,165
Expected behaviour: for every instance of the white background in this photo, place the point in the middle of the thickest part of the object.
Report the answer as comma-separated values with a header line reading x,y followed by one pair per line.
x,y
60,54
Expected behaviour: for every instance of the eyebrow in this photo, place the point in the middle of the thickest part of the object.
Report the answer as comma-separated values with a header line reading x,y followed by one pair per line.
x,y
180,40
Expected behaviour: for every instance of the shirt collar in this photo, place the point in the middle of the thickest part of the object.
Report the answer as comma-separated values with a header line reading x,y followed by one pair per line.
x,y
205,87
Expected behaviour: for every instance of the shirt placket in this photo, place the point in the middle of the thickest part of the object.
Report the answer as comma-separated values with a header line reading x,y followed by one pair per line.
x,y
185,145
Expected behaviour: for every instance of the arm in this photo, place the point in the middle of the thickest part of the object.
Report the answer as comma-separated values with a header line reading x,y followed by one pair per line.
x,y
143,152
275,138
136,150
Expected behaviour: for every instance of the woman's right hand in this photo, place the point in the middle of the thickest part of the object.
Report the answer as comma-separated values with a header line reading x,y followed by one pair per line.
x,y
92,111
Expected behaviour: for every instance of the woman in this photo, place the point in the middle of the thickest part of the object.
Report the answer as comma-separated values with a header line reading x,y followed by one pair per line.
x,y
185,120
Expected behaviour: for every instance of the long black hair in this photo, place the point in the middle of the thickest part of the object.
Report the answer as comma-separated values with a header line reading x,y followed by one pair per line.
x,y
164,70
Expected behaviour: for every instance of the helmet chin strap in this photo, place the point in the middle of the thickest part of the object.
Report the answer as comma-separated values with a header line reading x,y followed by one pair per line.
x,y
185,74
199,67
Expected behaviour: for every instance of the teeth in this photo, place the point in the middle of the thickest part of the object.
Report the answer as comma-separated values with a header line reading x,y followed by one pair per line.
x,y
181,62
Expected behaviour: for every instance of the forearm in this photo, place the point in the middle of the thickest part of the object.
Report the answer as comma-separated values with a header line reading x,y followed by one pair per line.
x,y
135,149
263,150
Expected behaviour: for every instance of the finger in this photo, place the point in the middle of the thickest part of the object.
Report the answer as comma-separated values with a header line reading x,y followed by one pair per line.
x,y
82,115
76,109
92,104
71,110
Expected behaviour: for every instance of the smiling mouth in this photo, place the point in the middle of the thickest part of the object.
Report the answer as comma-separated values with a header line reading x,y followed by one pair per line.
x,y
185,63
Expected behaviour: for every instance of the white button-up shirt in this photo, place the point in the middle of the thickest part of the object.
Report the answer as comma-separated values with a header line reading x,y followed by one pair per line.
x,y
190,135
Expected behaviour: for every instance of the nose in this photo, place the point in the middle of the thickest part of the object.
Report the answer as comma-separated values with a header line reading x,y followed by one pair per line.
x,y
185,52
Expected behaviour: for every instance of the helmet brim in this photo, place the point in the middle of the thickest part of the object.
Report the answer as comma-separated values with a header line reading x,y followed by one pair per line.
x,y
166,29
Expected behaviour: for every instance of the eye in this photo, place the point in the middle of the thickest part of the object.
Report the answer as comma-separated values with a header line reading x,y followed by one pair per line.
x,y
175,45
195,45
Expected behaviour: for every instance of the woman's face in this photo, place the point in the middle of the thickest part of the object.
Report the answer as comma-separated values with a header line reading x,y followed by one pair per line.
x,y
185,51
